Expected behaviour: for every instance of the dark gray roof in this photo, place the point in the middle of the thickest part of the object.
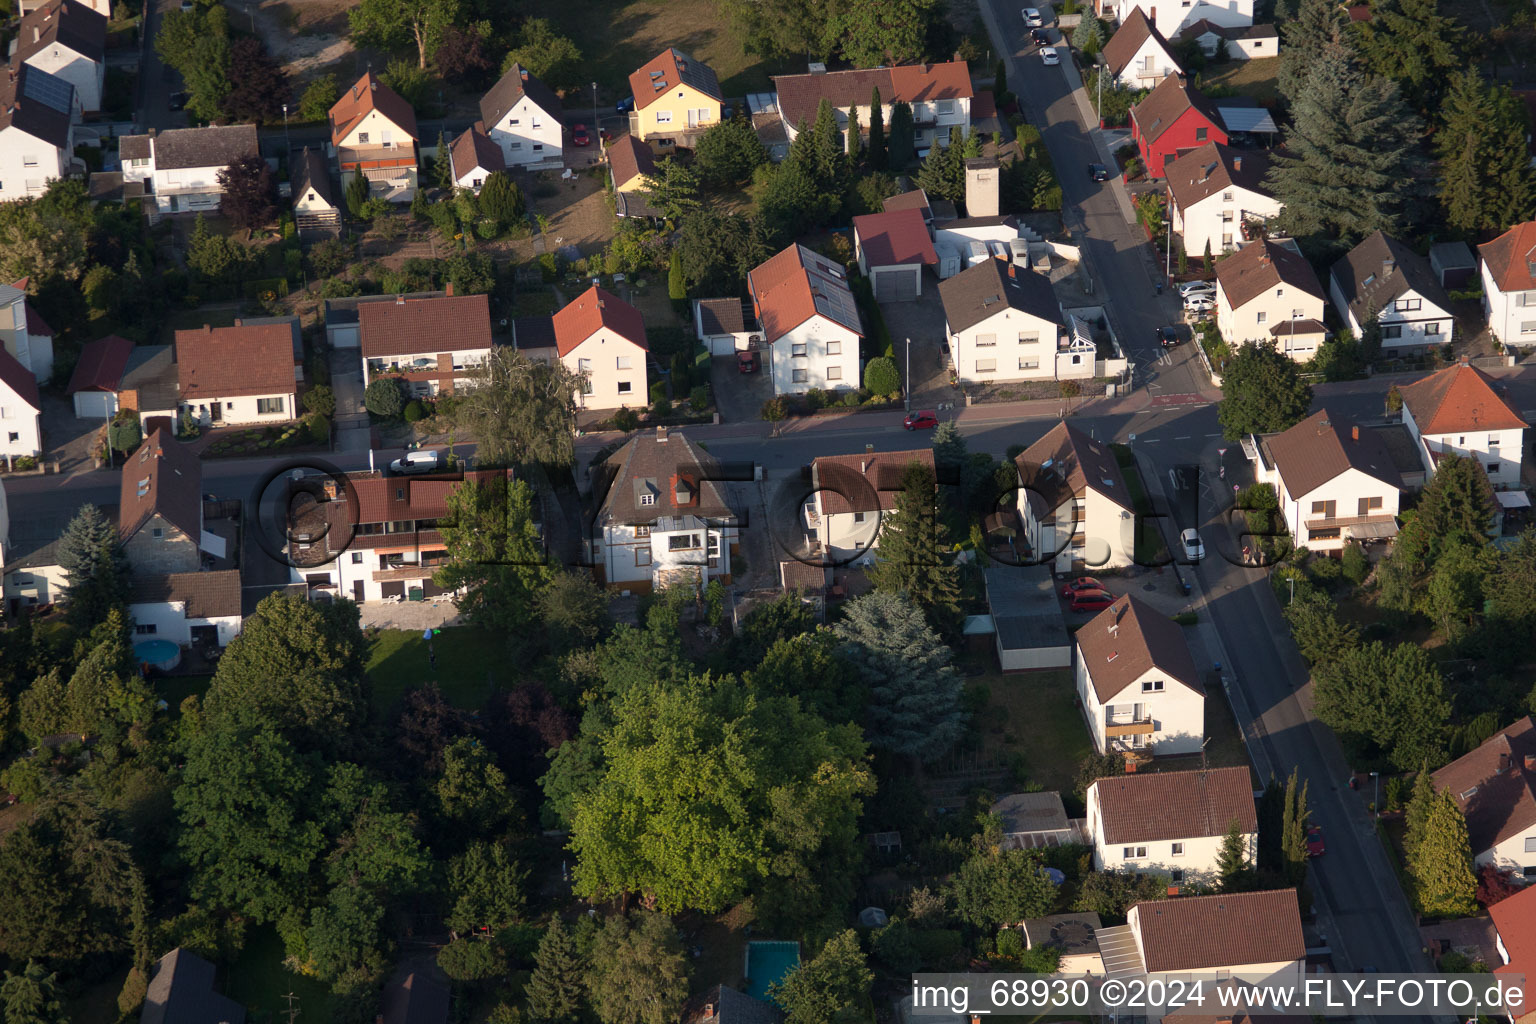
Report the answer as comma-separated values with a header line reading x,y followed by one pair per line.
x,y
1452,255
1024,609
66,23
1380,269
34,542
207,595
213,146
721,316
151,371
649,465
37,103
511,88
531,332
344,310
311,171
134,147
979,292
181,992
634,204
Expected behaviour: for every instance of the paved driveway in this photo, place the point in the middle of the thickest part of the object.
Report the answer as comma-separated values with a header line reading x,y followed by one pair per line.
x,y
739,396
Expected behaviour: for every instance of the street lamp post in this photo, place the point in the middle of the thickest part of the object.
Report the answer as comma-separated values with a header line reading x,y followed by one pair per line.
x,y
595,126
1292,581
287,145
907,390
1099,77
1168,246
1376,796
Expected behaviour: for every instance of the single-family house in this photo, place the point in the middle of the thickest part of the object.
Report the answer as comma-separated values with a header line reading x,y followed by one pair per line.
x,y
524,119
23,334
1217,197
37,134
21,411
187,607
1460,410
97,376
850,495
1003,323
373,133
892,250
1172,19
677,99
343,325
810,321
724,326
1509,284
181,992
473,157
1137,682
1383,278
237,375
1174,119
1495,788
1267,291
1033,821
601,338
1172,823
160,509
1074,506
663,519
433,344
180,168
415,997
30,573
722,1004
1137,56
1336,482
1255,935
1514,923
67,39
1242,42
939,95
630,164
316,210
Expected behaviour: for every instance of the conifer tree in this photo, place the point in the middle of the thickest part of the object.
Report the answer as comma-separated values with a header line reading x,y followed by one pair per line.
x,y
1441,868
1416,815
901,149
94,567
855,143
876,132
554,989
1486,180
1232,865
1293,834
913,540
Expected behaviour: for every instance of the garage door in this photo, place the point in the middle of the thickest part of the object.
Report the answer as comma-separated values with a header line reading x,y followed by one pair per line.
x,y
896,285
342,335
95,405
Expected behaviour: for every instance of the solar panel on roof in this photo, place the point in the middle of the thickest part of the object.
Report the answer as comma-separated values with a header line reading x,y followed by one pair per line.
x,y
49,90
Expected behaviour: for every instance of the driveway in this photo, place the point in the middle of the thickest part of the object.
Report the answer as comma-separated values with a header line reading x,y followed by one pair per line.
x,y
67,439
740,396
921,320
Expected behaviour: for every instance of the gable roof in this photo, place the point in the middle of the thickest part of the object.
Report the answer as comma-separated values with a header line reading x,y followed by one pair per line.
x,y
1228,929
101,365
311,171
1322,447
981,292
725,1005
863,483
1493,787
799,96
19,379
473,148
797,284
593,310
1515,921
408,326
66,23
1262,265
1511,258
628,157
895,237
367,95
36,102
1380,269
1031,812
181,992
1201,173
384,499
213,146
163,476
207,595
1129,639
1067,461
653,463
1136,29
669,68
226,362
510,89
1459,398
1169,101
1150,807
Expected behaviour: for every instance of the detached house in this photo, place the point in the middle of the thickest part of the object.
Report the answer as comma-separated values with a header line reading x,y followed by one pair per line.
x,y
21,411
630,163
1003,323
1509,284
940,96
37,135
1171,823
1495,787
180,169
316,212
473,157
664,519
373,133
1243,42
430,343
602,338
1137,682
1461,411
160,509
1073,502
67,39
892,249
1267,291
810,321
1336,482
1137,55
1256,935
241,374
181,992
1382,277
1174,119
1217,197
1172,19
850,496
524,120
25,336
677,99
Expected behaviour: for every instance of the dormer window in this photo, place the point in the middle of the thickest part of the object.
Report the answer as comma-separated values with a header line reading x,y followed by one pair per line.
x,y
647,499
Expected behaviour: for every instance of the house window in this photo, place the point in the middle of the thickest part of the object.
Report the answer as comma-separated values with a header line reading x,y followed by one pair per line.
x,y
1178,849
517,145
621,363
626,387
946,106
1461,441
357,558
538,147
1226,216
663,117
1200,133
1134,853
1432,327
1176,875
834,373
1029,364
1262,316
1226,197
986,366
362,138
1530,844
683,542
583,366
986,340
514,121
29,161
798,376
267,406
1152,686
647,499
1029,339
1493,440
1528,327
1332,534
642,557
157,533
13,436
1369,505
834,348
144,629
476,183
1325,509
859,517
797,349
642,531
1389,331
1408,305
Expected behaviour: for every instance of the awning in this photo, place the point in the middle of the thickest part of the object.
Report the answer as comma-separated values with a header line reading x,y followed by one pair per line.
x,y
213,544
1372,531
1246,119
1360,527
1513,499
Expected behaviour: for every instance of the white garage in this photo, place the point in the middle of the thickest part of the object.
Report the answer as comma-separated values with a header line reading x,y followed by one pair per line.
x,y
95,405
898,284
724,326
98,375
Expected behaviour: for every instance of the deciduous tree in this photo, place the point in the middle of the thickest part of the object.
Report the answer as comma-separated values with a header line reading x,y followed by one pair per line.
x,y
249,197
391,24
996,889
494,554
546,54
830,988
461,57
520,411
885,32
717,251
1262,391
258,87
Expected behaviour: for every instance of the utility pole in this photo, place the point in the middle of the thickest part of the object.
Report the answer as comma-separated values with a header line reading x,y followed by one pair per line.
x,y
1168,247
1099,78
293,1011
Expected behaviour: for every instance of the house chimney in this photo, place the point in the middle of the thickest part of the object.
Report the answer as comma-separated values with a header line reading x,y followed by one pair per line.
x,y
208,328
661,435
1503,760
1530,762
37,33
399,300
1466,360
448,289
864,467
239,322
1354,433
1237,163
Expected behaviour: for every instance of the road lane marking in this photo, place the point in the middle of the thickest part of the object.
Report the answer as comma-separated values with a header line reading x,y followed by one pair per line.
x,y
1186,437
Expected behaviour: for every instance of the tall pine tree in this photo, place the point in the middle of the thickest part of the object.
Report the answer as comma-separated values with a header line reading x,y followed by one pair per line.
x,y
1412,43
1318,24
901,149
1486,180
876,132
554,989
95,571
911,557
1293,834
1441,868
1232,866
1416,816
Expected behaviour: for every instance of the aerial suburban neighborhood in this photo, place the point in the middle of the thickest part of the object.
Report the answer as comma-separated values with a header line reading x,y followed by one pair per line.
x,y
709,512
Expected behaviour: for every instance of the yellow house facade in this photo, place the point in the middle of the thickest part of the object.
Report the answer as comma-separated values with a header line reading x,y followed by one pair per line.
x,y
676,100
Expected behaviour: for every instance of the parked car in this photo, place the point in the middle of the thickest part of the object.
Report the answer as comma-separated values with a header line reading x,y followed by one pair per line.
x,y
416,462
1167,337
1040,36
923,419
1098,172
177,101
1049,56
1194,547
1201,303
1032,17
624,105
1315,846
746,362
1080,584
1189,288
580,137
1090,601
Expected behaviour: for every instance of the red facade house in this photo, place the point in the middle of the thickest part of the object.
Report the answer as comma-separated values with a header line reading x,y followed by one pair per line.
x,y
1174,119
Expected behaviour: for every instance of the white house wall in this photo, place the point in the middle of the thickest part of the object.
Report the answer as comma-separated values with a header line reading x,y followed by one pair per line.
x,y
1499,451
1177,712
1345,490
1511,315
616,369
243,409
850,536
170,622
1172,18
20,427
1199,861
1253,321
1010,330
1201,224
1416,328
1139,75
28,164
824,368
527,135
1517,854
44,584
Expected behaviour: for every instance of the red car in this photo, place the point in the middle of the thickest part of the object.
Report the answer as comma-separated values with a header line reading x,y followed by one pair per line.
x,y
925,419
1090,600
1315,841
1081,583
580,137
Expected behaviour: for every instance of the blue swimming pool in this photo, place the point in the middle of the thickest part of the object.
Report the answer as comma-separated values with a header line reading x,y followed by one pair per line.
x,y
767,963
162,654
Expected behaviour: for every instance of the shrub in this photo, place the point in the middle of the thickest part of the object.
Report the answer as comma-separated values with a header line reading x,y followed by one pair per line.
x,y
414,411
319,427
384,398
1355,565
321,399
549,267
625,420
125,432
1187,618
658,392
775,409
471,960
698,398
880,376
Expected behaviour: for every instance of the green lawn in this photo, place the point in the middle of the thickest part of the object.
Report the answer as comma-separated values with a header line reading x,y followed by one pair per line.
x,y
259,981
470,663
1035,715
1224,747
1254,78
175,689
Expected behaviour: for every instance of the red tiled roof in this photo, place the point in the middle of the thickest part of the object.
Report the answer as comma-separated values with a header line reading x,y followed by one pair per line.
x,y
163,476
19,379
670,68
1149,807
796,285
1459,398
101,365
450,323
1166,103
474,149
1493,787
983,106
1515,920
800,95
593,310
366,95
1510,258
225,362
1129,639
1226,930
863,483
894,238
1261,265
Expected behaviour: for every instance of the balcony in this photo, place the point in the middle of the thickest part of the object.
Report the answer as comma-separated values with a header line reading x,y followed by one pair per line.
x,y
352,157
1125,727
